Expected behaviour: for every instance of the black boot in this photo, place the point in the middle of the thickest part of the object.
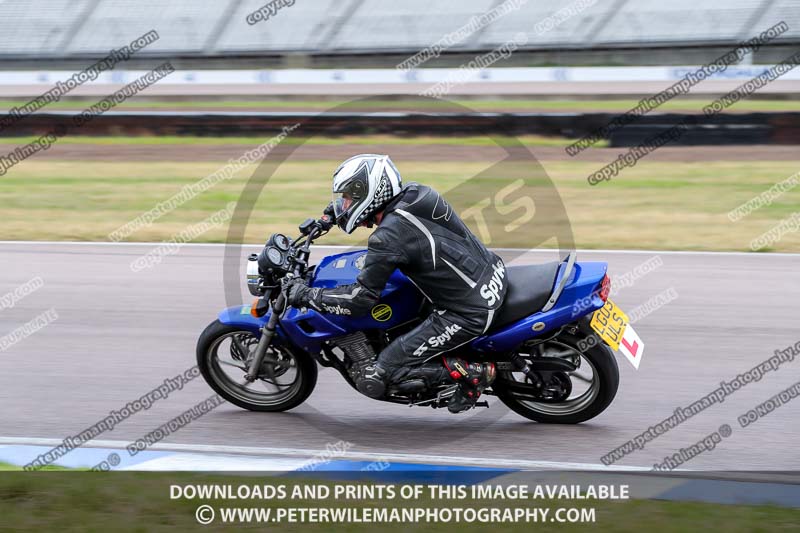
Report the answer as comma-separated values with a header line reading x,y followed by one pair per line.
x,y
432,373
472,379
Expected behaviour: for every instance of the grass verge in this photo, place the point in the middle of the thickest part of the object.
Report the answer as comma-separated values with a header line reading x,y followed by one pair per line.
x,y
654,205
6,467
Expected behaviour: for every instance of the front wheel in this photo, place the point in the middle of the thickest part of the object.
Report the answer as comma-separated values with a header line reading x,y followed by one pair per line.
x,y
570,397
285,379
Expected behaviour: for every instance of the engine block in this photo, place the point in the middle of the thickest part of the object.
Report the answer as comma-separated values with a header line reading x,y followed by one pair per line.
x,y
358,349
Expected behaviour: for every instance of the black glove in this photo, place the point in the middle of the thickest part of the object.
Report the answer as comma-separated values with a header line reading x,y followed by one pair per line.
x,y
328,218
330,212
296,291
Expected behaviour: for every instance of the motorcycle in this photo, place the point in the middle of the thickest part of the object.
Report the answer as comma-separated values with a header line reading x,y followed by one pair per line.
x,y
551,340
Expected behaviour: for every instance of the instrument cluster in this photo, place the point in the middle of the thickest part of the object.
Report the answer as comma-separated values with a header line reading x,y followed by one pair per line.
x,y
266,267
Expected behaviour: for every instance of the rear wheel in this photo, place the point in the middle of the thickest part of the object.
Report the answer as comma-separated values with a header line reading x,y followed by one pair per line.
x,y
567,397
285,379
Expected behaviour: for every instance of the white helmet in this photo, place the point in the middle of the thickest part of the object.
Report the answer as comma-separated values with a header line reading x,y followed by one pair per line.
x,y
362,186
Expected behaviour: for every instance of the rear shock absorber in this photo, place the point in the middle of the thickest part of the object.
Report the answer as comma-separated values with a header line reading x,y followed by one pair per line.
x,y
525,368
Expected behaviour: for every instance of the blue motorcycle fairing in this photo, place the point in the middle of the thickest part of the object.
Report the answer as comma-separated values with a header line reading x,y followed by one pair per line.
x,y
582,287
401,302
400,295
239,316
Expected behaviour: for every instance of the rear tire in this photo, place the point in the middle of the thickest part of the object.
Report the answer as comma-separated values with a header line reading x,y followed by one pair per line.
x,y
300,389
604,365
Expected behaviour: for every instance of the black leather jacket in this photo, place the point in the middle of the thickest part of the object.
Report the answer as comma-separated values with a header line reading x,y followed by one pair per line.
x,y
421,235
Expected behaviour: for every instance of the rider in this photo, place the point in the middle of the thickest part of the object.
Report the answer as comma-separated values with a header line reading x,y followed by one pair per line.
x,y
419,233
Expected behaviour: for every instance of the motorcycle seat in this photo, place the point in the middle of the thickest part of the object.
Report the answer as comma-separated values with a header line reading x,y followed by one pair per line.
x,y
529,287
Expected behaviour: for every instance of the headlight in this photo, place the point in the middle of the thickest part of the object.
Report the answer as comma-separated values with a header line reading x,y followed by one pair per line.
x,y
254,277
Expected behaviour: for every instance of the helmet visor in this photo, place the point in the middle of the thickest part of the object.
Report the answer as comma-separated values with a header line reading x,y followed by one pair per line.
x,y
341,204
347,199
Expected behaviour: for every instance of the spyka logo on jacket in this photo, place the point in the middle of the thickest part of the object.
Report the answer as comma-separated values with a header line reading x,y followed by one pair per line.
x,y
491,291
438,340
335,309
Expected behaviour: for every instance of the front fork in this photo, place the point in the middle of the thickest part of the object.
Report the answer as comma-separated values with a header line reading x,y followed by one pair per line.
x,y
267,332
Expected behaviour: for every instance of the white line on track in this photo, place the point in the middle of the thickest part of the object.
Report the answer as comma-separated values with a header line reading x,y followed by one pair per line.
x,y
354,247
485,462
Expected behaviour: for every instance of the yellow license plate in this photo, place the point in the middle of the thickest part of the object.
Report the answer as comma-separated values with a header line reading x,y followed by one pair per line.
x,y
610,322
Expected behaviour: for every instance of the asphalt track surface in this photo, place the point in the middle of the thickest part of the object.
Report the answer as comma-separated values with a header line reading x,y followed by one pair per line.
x,y
120,334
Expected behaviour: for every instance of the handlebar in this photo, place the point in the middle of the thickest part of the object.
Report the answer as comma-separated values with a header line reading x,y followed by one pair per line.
x,y
311,229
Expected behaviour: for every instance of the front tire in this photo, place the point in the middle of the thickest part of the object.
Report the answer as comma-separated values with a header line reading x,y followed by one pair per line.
x,y
581,408
286,378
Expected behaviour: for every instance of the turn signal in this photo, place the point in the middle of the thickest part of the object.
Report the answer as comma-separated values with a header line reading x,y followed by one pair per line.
x,y
259,308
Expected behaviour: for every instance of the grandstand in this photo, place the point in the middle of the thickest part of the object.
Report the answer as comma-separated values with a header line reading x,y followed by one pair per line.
x,y
218,28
